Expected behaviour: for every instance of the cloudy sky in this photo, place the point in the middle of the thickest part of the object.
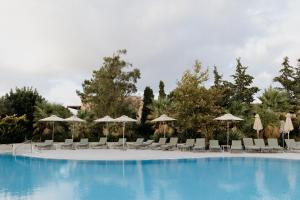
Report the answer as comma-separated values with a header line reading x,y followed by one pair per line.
x,y
53,45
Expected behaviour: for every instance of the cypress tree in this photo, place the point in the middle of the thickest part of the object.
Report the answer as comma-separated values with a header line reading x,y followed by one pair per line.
x,y
145,128
286,77
162,94
217,78
243,92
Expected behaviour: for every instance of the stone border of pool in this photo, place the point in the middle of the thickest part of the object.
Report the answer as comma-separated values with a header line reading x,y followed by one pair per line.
x,y
119,155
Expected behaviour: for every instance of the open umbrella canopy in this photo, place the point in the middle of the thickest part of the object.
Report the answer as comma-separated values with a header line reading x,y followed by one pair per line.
x,y
124,118
74,118
228,117
163,118
52,118
105,119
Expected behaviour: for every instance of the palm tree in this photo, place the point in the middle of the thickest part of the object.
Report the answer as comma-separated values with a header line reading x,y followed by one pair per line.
x,y
159,107
275,100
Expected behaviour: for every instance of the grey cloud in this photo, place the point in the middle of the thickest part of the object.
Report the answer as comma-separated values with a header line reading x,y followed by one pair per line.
x,y
55,45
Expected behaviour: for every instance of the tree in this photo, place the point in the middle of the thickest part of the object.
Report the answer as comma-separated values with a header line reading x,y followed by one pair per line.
x,y
145,128
223,89
162,93
286,77
275,100
19,102
296,83
147,100
217,78
194,106
243,92
106,91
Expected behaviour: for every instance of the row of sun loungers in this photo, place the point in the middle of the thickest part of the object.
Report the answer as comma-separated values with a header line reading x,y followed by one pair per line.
x,y
191,145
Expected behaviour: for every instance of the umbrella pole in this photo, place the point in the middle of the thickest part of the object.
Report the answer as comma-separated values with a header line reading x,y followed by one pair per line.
x,y
164,124
107,129
53,131
282,137
123,135
227,133
73,130
288,140
257,131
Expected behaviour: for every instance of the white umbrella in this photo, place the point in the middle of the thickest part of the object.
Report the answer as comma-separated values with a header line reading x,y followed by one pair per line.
x,y
288,125
124,119
257,124
228,118
74,119
53,119
106,120
163,118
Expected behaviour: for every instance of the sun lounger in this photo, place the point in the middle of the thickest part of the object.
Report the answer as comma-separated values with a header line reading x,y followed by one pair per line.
x,y
261,144
161,142
188,145
273,142
83,144
145,145
199,145
236,146
292,144
47,145
137,143
102,144
249,146
214,145
68,144
171,145
119,144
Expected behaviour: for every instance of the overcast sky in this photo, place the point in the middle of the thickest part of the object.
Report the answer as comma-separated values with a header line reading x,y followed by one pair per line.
x,y
53,45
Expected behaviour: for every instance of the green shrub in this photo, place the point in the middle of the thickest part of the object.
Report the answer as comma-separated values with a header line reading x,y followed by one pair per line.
x,y
12,129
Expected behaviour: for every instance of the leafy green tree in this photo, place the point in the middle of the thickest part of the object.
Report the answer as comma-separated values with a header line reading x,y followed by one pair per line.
x,y
194,106
162,93
243,92
106,91
19,102
145,128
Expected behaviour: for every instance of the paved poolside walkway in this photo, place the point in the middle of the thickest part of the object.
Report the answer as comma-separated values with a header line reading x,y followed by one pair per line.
x,y
113,154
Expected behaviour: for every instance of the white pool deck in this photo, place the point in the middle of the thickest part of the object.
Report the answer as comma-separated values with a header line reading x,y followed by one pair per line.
x,y
113,154
130,154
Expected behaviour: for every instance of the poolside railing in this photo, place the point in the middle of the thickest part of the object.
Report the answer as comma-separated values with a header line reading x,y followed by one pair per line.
x,y
22,148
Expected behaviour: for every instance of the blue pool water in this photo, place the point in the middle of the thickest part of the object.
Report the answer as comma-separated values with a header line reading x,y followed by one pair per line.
x,y
213,178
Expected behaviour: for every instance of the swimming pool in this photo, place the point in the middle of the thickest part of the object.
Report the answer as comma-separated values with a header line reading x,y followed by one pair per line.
x,y
207,178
